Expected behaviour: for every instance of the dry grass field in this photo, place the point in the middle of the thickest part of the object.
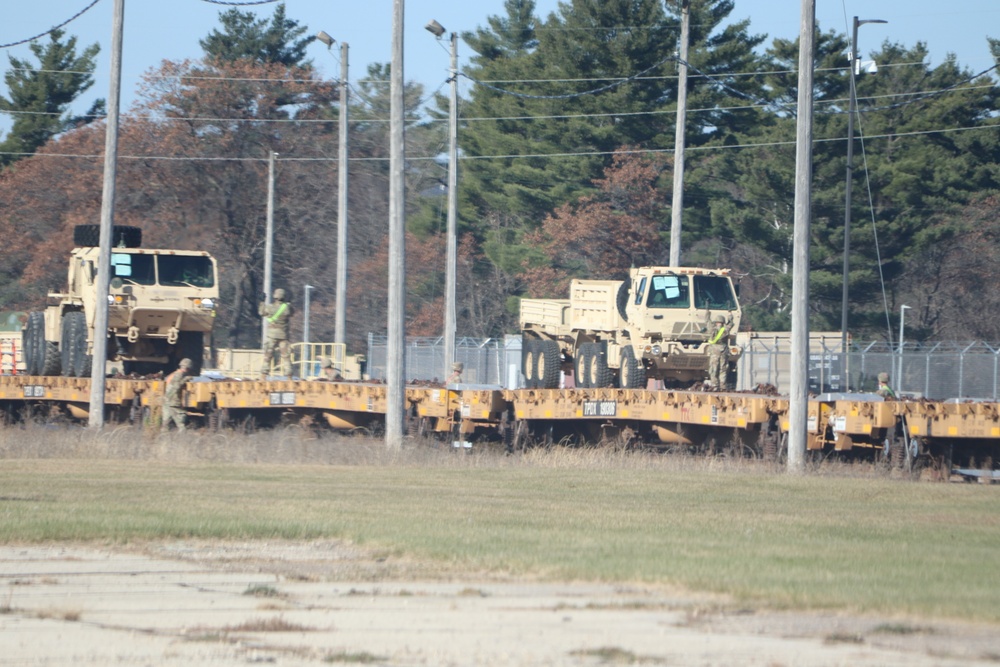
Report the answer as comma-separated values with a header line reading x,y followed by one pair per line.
x,y
723,540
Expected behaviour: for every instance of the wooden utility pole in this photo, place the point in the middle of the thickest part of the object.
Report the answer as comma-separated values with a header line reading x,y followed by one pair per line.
x,y
395,371
798,398
677,205
100,342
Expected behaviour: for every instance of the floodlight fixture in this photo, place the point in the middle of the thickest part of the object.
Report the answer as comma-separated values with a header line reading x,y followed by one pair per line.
x,y
326,39
434,28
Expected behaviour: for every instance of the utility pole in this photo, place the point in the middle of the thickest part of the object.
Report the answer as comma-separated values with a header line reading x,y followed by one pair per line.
x,y
340,325
95,418
798,399
852,108
395,372
677,205
450,282
268,241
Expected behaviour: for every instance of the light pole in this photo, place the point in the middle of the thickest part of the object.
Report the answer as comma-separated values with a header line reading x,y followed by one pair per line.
x,y
340,318
268,241
899,374
450,314
852,106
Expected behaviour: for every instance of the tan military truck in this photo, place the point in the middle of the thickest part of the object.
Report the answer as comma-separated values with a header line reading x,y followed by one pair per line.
x,y
620,333
161,308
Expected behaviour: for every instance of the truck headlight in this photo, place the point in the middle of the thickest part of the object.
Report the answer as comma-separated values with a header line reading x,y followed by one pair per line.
x,y
207,304
656,350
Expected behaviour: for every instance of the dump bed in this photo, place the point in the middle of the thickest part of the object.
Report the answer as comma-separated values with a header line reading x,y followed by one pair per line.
x,y
594,305
548,315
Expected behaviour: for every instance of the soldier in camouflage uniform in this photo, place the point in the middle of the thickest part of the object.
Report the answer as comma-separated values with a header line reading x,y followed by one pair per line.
x,y
277,314
718,354
173,407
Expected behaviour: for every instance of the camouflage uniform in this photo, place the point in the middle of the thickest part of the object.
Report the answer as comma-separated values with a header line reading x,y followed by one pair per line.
x,y
456,373
278,314
884,390
718,354
173,407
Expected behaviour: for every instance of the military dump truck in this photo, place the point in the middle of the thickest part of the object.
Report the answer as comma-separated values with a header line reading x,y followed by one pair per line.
x,y
161,307
656,325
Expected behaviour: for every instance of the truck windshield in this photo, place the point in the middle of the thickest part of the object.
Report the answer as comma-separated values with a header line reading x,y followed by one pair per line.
x,y
137,269
186,271
669,292
714,292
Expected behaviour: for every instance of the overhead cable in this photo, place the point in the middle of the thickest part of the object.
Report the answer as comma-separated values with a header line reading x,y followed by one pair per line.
x,y
52,29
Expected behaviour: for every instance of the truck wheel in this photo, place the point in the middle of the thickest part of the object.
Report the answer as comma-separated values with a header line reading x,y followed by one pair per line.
x,y
549,365
75,360
622,300
600,374
89,236
631,374
580,365
34,343
50,360
529,354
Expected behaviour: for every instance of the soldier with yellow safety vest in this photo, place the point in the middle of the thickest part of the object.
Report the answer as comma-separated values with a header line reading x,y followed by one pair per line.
x,y
277,314
718,354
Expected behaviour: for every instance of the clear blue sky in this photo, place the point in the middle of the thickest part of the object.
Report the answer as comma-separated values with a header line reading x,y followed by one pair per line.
x,y
170,29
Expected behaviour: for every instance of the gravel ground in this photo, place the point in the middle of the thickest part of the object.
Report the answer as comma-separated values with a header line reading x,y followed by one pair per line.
x,y
327,602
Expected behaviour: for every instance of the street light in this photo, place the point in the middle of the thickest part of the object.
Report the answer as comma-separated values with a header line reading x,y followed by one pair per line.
x,y
450,314
340,314
852,108
899,375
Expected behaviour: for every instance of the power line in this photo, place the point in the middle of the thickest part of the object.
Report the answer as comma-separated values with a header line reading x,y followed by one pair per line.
x,y
52,29
640,151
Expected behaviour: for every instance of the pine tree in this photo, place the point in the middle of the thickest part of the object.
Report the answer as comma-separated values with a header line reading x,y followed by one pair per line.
x,y
40,95
243,36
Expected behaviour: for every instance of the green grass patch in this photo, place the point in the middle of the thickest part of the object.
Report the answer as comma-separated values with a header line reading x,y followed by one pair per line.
x,y
871,545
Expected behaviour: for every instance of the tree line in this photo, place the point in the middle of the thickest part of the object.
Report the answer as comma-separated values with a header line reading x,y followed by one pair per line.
x,y
566,137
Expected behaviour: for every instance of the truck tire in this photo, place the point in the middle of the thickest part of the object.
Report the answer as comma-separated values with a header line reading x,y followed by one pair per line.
x,y
631,374
33,343
51,363
600,374
89,236
529,362
622,299
75,360
580,365
549,365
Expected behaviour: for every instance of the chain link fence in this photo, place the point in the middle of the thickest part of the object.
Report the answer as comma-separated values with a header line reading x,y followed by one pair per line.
x,y
936,371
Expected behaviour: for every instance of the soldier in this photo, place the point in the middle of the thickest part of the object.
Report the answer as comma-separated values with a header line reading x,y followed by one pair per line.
x,y
277,314
173,408
718,353
456,373
884,390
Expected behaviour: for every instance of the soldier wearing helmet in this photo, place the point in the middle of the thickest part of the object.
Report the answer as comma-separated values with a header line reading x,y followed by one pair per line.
x,y
884,390
456,373
718,353
278,315
173,406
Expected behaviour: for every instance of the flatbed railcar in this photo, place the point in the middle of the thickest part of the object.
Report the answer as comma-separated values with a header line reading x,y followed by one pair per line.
x,y
940,435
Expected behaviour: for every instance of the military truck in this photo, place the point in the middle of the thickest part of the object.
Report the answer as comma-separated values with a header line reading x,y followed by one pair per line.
x,y
161,307
655,325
